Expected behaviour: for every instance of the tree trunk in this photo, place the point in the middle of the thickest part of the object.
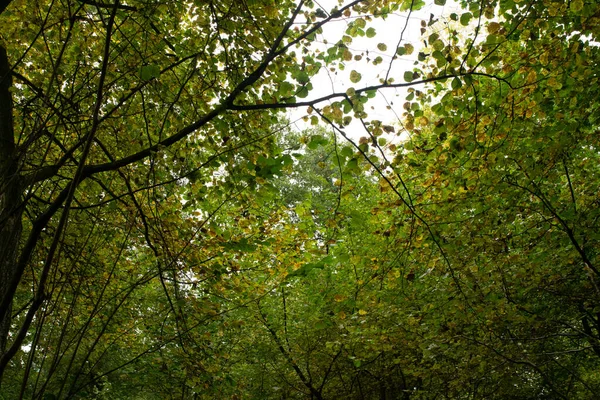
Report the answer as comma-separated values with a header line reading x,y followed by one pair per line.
x,y
10,196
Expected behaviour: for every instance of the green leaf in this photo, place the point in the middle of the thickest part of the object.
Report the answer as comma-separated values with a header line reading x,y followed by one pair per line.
x,y
456,83
370,32
465,18
316,141
148,72
355,76
302,92
352,165
438,45
302,77
242,245
309,267
320,325
408,76
347,151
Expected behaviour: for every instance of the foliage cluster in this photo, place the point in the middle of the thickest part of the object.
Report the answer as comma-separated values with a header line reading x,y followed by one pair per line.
x,y
165,234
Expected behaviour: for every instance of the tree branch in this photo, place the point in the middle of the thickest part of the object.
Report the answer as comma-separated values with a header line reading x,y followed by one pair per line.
x,y
40,294
109,6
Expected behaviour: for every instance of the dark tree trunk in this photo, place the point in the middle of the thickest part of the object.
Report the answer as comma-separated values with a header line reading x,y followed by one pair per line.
x,y
10,196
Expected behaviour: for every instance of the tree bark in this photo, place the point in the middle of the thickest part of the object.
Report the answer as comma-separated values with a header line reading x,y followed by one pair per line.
x,y
10,195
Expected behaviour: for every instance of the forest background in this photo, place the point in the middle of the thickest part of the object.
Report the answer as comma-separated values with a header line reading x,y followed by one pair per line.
x,y
166,234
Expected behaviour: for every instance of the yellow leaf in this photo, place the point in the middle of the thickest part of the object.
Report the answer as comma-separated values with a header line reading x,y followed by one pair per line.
x,y
493,27
576,5
355,76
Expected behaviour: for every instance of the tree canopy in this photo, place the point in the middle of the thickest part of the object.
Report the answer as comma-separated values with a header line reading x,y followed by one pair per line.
x,y
166,233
